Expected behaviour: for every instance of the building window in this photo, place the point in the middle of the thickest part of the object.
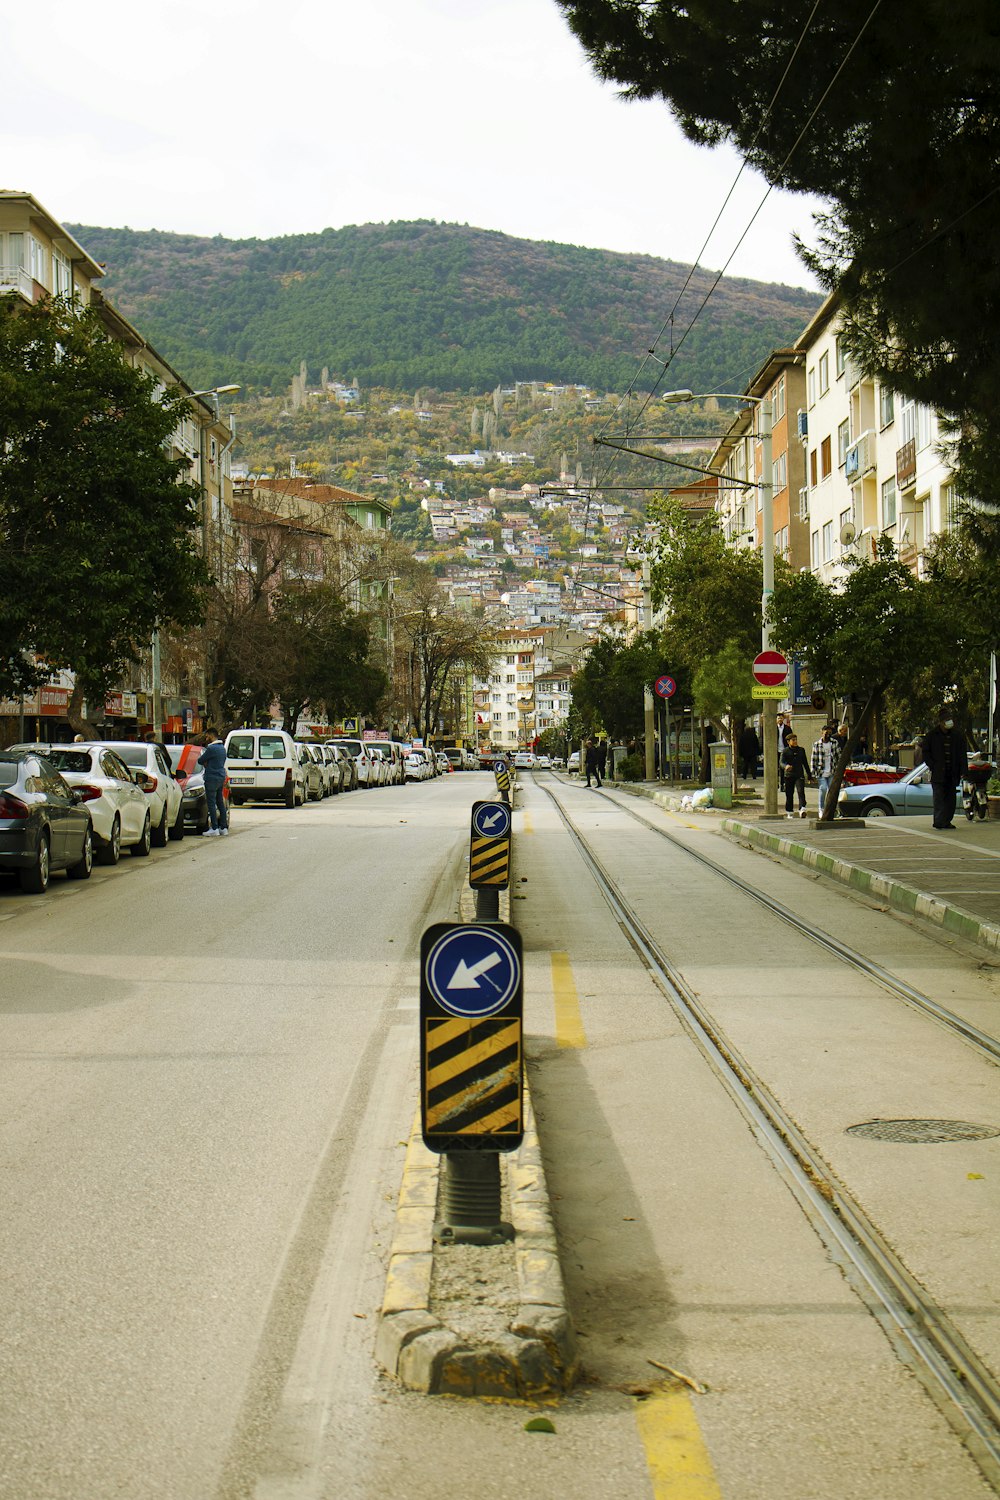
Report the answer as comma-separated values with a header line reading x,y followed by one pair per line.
x,y
908,421
839,356
779,473
825,461
778,400
845,516
951,503
886,406
39,261
811,381
814,549
781,542
889,504
843,442
828,541
813,470
824,374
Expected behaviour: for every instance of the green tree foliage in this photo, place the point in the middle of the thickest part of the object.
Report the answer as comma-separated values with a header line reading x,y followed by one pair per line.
x,y
711,591
97,539
319,655
434,644
609,689
897,126
877,632
423,305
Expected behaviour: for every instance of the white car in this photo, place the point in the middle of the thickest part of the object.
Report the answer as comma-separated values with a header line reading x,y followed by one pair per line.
x,y
416,766
265,765
363,760
150,765
116,802
524,760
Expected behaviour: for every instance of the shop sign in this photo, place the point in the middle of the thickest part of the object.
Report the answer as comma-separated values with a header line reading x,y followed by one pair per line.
x,y
53,701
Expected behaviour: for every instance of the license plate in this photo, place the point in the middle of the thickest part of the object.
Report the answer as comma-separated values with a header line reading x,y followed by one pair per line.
x,y
240,780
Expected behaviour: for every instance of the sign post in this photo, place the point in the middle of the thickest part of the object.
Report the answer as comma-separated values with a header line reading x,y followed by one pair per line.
x,y
770,672
471,1013
666,687
489,856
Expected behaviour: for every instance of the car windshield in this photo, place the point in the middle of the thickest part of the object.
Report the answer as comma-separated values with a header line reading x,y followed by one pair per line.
x,y
69,760
353,747
132,755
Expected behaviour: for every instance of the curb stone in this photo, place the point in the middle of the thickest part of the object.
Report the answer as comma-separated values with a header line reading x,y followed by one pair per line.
x,y
895,893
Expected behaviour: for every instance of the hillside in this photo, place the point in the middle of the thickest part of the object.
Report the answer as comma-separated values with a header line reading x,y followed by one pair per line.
x,y
405,305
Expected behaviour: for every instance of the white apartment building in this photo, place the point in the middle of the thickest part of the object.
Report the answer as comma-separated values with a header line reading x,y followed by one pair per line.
x,y
872,466
506,702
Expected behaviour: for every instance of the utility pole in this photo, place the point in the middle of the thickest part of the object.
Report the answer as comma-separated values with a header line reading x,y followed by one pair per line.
x,y
648,704
770,711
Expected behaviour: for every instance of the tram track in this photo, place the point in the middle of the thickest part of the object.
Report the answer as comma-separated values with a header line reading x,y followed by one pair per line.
x,y
924,1336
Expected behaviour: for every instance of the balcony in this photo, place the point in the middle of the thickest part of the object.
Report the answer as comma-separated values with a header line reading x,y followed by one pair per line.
x,y
16,279
860,456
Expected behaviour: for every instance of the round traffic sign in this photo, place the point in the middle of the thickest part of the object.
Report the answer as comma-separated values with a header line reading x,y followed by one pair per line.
x,y
665,686
473,971
491,819
770,668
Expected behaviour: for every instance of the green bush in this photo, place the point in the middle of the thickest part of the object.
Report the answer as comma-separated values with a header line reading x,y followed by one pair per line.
x,y
632,768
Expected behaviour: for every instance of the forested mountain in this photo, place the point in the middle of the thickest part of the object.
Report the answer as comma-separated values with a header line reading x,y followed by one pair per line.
x,y
403,305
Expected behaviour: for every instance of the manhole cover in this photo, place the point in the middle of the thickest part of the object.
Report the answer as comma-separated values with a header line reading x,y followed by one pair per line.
x,y
923,1132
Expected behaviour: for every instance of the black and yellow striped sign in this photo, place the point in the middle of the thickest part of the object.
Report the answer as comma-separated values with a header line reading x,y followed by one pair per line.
x,y
489,863
472,1083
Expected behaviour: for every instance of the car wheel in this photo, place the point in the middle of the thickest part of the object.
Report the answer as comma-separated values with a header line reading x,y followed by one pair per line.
x,y
81,870
177,827
110,853
290,798
877,809
142,848
160,832
35,880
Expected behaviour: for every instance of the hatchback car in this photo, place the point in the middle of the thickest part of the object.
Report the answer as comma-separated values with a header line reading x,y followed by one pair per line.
x,y
905,796
151,768
44,823
118,806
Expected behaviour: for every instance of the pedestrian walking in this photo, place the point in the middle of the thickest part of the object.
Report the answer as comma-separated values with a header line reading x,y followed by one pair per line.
x,y
824,759
212,761
749,751
592,762
794,773
947,754
602,758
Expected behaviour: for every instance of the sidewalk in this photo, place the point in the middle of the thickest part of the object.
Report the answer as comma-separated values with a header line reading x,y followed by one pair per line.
x,y
950,879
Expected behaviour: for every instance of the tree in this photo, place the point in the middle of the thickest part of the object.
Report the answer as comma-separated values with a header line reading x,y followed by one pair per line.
x,y
433,642
711,591
98,546
898,127
874,634
609,689
319,653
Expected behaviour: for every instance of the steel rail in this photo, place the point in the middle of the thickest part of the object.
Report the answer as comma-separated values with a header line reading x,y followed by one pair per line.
x,y
988,1045
961,1385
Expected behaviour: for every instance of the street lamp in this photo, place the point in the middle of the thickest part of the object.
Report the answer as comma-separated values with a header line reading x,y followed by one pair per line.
x,y
766,486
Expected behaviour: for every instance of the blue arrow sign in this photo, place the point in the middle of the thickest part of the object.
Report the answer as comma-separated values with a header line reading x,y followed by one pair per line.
x,y
491,819
473,971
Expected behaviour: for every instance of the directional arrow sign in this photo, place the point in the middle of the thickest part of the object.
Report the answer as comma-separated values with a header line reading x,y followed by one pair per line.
x,y
470,971
491,819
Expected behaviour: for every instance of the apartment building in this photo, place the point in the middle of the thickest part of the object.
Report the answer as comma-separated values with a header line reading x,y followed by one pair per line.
x,y
505,704
873,466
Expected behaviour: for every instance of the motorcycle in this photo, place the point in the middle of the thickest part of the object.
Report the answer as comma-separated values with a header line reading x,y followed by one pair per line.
x,y
974,788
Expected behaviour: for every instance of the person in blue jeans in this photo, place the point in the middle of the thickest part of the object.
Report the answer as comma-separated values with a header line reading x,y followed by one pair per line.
x,y
212,761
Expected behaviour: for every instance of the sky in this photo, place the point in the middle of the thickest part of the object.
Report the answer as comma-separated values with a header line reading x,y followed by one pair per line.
x,y
251,118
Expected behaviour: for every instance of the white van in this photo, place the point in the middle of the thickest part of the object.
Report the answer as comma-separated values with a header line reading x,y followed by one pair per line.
x,y
265,765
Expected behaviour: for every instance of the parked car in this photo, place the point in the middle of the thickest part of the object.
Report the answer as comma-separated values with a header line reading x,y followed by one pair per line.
x,y
264,765
44,823
150,765
455,757
443,763
315,770
905,795
194,802
393,754
380,766
359,753
119,809
524,760
416,767
345,765
573,764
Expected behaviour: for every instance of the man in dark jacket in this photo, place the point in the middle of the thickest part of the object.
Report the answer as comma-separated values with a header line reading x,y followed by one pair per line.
x,y
749,748
212,761
947,755
794,773
592,762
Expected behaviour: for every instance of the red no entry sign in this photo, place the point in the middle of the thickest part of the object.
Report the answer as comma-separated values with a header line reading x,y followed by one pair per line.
x,y
770,668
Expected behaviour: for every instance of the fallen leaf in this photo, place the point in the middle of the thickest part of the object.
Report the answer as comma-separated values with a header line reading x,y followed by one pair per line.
x,y
539,1424
975,1176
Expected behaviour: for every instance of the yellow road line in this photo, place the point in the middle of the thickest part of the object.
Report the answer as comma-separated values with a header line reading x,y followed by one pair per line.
x,y
526,826
569,1026
676,1455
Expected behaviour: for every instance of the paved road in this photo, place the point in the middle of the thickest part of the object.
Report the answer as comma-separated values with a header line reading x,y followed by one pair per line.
x,y
208,1072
